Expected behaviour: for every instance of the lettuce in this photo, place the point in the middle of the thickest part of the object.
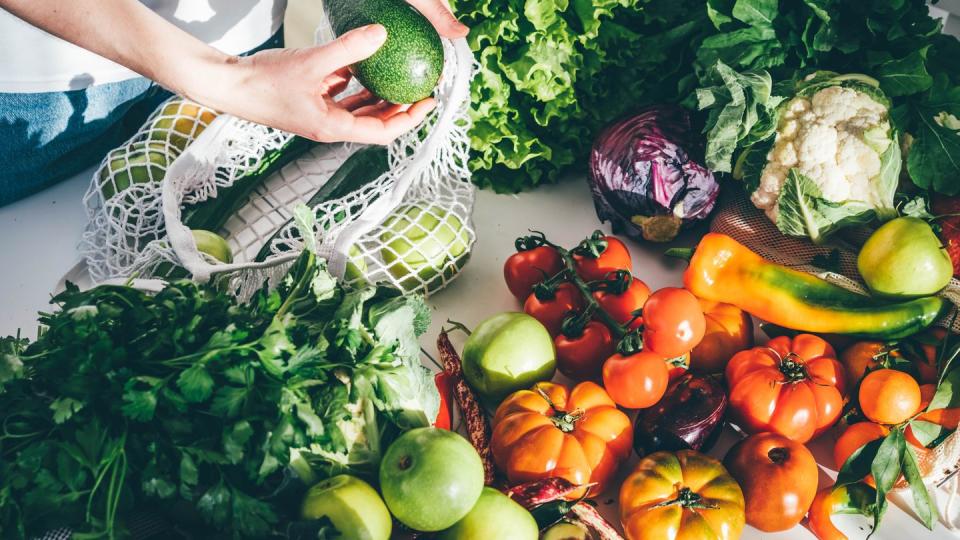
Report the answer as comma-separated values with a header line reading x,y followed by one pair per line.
x,y
553,72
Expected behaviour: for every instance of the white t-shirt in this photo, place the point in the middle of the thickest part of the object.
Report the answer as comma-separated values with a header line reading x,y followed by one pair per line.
x,y
32,60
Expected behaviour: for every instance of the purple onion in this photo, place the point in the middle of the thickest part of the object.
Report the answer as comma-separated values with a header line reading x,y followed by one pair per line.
x,y
688,416
643,179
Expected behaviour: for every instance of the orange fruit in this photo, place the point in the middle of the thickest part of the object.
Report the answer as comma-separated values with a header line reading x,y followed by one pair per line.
x,y
860,357
856,436
888,396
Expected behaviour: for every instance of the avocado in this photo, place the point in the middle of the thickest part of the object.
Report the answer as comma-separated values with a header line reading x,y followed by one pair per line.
x,y
407,67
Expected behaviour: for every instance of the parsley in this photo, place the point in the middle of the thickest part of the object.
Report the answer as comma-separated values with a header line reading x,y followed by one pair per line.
x,y
128,401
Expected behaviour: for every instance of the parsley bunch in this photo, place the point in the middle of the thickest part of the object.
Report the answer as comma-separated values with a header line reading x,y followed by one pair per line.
x,y
189,402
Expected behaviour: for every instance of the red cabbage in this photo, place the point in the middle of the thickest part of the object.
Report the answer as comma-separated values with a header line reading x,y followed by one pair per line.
x,y
643,179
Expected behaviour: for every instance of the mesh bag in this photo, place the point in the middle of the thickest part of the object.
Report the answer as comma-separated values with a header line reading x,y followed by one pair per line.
x,y
410,227
737,217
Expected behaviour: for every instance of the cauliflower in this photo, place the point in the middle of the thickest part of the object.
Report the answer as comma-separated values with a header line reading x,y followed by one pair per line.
x,y
834,143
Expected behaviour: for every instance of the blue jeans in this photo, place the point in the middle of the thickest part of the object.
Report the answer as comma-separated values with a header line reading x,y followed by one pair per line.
x,y
46,137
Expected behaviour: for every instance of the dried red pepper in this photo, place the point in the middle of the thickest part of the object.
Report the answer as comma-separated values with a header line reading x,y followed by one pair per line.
x,y
478,428
592,518
445,388
537,492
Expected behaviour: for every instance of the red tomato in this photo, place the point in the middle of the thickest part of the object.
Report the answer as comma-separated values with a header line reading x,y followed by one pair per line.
x,y
524,269
673,322
615,256
622,306
791,386
581,357
551,311
636,381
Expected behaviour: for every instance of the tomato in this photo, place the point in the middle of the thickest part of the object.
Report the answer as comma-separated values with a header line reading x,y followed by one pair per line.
x,y
636,381
861,357
613,256
673,323
888,396
575,433
681,496
854,437
793,387
728,331
849,499
581,357
444,383
778,477
524,269
552,310
621,306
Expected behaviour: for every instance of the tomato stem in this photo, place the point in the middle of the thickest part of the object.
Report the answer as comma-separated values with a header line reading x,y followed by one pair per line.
x,y
687,498
593,306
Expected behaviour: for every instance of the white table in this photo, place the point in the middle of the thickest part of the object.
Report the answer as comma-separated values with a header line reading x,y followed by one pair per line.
x,y
40,234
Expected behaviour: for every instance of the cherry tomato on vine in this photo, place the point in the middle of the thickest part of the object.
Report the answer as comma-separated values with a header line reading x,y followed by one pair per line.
x,y
621,305
526,268
551,311
600,255
581,357
636,381
673,322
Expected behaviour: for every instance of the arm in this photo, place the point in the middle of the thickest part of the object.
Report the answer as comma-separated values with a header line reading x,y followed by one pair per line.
x,y
290,89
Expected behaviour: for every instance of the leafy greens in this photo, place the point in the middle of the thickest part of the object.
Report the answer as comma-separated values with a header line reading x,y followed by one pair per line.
x,y
187,399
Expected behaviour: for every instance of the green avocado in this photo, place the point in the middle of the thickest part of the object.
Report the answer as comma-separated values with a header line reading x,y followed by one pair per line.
x,y
407,67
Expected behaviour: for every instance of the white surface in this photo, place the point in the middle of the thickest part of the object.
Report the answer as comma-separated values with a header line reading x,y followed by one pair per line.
x,y
40,234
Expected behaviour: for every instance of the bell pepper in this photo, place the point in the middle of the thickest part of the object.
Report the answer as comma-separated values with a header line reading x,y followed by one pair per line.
x,y
851,499
723,270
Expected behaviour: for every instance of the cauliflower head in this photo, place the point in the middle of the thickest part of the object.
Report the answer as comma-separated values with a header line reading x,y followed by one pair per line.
x,y
834,158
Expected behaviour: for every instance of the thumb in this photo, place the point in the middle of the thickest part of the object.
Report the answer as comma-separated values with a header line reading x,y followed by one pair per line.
x,y
355,45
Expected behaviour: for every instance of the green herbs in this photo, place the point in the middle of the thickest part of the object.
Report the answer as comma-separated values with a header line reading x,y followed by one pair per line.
x,y
186,400
552,73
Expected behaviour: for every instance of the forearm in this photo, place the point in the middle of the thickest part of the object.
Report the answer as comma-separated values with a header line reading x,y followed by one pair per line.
x,y
130,34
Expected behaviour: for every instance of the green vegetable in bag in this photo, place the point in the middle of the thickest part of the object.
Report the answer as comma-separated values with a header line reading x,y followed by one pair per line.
x,y
421,242
139,163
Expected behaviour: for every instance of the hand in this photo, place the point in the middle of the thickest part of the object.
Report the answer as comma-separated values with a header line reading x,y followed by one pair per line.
x,y
439,14
296,90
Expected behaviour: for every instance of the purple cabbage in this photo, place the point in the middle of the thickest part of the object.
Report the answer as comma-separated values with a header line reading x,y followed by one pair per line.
x,y
643,179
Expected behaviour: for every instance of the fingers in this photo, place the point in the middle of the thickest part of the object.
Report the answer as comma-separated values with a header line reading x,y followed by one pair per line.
x,y
375,130
355,101
440,16
351,47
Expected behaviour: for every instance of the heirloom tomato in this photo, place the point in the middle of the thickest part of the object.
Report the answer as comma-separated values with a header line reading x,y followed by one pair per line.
x,y
552,430
791,386
682,496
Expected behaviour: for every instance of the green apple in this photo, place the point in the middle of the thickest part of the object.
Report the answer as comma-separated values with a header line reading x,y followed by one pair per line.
x,y
494,516
567,530
430,478
213,245
420,242
904,258
139,163
351,505
505,353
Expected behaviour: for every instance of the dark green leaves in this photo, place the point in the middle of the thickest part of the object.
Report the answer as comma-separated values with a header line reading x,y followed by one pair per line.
x,y
934,158
904,76
195,383
756,12
887,459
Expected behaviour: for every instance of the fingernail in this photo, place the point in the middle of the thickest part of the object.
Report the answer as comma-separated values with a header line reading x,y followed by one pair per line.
x,y
376,33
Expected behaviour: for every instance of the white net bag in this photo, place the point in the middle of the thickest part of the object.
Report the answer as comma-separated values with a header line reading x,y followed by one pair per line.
x,y
409,226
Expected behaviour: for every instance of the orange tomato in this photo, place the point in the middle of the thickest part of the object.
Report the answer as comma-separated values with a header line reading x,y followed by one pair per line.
x,y
778,477
888,396
729,330
673,323
681,496
636,381
793,387
555,431
861,357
